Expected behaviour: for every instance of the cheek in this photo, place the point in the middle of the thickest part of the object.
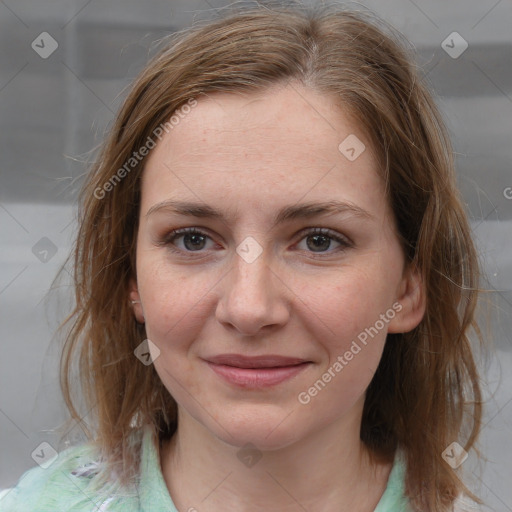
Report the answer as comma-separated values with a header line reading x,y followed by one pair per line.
x,y
173,302
346,322
174,317
347,302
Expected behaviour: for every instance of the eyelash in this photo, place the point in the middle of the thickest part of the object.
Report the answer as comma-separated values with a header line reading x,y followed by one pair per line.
x,y
168,239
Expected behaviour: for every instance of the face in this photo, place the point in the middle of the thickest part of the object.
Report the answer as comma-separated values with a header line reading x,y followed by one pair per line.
x,y
259,278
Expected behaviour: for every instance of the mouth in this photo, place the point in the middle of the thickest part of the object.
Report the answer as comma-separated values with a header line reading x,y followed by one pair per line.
x,y
265,361
256,372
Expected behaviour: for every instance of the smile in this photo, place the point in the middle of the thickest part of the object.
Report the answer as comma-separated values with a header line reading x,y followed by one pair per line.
x,y
257,377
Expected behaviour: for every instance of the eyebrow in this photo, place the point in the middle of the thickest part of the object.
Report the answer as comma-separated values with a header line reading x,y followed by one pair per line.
x,y
287,213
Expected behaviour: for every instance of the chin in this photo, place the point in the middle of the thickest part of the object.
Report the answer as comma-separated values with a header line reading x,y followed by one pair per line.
x,y
265,431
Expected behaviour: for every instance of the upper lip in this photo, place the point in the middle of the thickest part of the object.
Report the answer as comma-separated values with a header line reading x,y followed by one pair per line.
x,y
266,361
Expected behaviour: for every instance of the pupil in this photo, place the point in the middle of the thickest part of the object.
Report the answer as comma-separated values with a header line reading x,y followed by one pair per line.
x,y
319,246
196,242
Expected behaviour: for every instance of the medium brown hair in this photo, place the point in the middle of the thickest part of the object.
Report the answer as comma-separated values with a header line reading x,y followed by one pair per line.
x,y
425,393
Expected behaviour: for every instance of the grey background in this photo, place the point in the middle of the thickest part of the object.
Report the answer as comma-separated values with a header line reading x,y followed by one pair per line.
x,y
53,111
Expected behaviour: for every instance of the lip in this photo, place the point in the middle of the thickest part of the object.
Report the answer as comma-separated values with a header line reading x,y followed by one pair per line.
x,y
265,361
256,372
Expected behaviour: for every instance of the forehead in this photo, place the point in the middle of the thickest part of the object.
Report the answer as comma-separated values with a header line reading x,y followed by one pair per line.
x,y
256,147
288,122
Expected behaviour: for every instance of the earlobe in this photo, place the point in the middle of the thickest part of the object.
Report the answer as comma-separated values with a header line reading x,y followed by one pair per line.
x,y
412,300
135,302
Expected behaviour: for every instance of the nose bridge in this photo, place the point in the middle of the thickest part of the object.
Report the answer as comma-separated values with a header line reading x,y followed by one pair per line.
x,y
252,259
250,299
251,275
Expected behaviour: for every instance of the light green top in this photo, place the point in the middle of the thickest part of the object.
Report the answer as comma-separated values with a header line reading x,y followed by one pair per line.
x,y
57,489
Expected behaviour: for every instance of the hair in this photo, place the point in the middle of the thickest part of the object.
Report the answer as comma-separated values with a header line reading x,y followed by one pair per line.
x,y
425,393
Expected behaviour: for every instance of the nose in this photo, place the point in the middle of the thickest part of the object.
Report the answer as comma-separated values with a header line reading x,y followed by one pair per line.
x,y
253,297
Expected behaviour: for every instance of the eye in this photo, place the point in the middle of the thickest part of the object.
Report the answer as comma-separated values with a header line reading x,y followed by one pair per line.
x,y
193,239
321,238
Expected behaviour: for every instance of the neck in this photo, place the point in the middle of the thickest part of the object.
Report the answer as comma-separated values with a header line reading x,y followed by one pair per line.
x,y
328,471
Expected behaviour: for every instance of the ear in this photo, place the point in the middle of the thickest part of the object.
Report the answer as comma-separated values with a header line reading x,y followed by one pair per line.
x,y
135,301
410,302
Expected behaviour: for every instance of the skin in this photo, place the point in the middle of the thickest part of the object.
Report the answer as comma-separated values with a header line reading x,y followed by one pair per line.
x,y
248,156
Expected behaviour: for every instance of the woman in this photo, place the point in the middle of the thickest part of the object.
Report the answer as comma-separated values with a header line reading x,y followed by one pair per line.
x,y
314,353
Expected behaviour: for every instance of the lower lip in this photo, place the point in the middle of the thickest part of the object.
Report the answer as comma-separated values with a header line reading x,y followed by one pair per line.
x,y
257,377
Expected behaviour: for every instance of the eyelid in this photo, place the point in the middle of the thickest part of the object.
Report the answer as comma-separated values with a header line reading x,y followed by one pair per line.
x,y
335,235
168,237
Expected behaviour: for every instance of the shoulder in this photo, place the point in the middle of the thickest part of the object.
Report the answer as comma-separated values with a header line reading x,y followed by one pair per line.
x,y
395,499
68,483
